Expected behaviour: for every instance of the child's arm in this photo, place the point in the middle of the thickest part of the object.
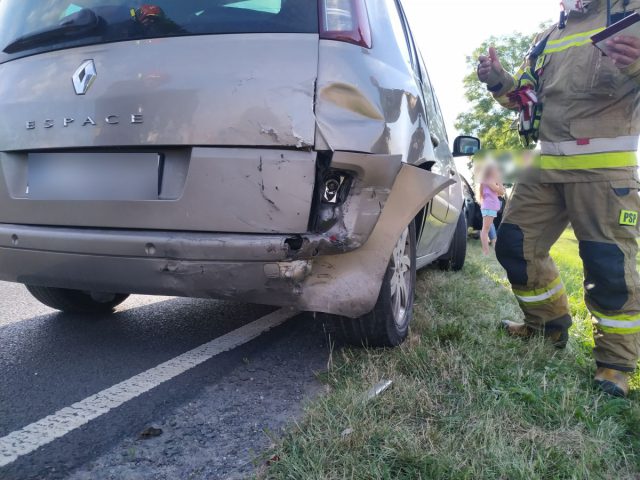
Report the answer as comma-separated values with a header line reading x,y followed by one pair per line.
x,y
497,188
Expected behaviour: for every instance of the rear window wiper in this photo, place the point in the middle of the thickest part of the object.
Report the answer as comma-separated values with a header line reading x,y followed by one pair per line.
x,y
71,27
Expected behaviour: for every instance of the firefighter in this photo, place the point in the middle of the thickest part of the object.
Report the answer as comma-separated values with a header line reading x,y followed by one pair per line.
x,y
582,108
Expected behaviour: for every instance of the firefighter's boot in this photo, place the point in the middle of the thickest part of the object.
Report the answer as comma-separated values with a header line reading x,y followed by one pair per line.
x,y
558,338
613,382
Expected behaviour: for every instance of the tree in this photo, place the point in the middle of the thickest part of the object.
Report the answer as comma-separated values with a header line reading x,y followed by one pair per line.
x,y
486,119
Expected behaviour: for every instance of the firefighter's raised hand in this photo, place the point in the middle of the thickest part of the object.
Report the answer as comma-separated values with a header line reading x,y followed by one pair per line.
x,y
625,50
489,68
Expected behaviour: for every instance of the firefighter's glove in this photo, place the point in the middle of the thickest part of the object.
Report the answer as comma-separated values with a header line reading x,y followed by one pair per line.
x,y
490,70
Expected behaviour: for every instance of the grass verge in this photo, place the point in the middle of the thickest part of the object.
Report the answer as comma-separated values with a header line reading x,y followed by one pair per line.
x,y
467,401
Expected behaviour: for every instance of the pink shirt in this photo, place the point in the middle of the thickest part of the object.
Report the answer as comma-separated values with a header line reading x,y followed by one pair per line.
x,y
490,200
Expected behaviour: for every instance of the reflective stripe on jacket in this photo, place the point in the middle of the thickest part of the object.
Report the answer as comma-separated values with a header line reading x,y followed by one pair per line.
x,y
627,143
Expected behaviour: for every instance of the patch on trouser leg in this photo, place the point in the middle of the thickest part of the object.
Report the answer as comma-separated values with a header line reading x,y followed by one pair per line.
x,y
510,253
604,283
628,218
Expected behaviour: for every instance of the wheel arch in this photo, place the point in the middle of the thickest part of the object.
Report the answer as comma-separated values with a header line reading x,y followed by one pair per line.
x,y
349,284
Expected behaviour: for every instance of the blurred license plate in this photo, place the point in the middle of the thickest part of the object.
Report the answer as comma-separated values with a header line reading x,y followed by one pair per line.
x,y
93,176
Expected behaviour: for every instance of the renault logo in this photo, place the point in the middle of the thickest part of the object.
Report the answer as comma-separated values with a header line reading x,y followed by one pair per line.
x,y
84,77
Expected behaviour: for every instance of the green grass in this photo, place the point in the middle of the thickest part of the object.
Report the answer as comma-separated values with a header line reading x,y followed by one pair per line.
x,y
467,401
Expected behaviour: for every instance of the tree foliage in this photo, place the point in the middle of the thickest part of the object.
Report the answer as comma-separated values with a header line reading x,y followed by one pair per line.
x,y
485,118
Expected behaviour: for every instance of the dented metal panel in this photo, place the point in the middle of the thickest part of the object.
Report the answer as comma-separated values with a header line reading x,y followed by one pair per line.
x,y
228,222
374,101
370,100
349,284
349,225
366,104
202,189
255,268
223,90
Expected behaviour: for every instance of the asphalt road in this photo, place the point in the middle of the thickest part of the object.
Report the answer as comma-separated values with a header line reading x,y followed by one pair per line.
x,y
216,418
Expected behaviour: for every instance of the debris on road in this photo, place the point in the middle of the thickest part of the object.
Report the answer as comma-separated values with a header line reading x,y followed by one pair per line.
x,y
346,433
275,458
150,432
377,390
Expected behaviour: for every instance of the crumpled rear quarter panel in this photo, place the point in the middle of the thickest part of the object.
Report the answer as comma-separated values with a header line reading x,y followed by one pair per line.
x,y
369,100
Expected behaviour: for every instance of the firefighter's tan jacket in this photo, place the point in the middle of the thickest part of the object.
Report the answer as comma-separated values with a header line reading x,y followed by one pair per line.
x,y
591,108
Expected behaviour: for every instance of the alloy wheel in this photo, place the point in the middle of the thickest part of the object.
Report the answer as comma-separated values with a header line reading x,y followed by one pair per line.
x,y
401,279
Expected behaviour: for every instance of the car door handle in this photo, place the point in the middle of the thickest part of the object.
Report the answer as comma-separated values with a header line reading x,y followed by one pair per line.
x,y
435,141
452,172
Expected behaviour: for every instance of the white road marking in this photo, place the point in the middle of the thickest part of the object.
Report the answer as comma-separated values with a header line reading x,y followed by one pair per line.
x,y
40,433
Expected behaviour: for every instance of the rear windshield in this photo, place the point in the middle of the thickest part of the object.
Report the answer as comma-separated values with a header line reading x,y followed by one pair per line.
x,y
33,26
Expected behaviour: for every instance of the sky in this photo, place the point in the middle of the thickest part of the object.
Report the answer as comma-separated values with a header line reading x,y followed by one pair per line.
x,y
447,31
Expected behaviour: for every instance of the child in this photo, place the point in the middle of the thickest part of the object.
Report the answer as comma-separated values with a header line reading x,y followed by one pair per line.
x,y
491,189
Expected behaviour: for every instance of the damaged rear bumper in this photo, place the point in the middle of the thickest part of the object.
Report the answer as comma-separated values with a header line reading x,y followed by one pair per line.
x,y
314,274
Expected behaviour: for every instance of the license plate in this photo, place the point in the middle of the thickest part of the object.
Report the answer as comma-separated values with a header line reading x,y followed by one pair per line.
x,y
93,176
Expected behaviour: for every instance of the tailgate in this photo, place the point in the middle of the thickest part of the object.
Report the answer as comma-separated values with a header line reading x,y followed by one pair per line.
x,y
222,90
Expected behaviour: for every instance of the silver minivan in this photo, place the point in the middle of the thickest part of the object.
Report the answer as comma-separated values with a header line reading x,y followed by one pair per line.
x,y
284,152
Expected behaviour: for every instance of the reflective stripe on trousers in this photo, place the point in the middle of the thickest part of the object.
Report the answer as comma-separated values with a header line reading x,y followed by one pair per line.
x,y
621,324
540,296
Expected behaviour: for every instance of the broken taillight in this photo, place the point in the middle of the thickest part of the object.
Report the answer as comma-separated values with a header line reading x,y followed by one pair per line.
x,y
345,21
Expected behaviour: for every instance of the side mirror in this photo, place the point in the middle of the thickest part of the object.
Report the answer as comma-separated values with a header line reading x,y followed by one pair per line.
x,y
465,146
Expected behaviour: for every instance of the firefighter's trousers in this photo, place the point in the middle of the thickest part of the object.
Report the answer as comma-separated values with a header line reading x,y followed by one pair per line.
x,y
604,217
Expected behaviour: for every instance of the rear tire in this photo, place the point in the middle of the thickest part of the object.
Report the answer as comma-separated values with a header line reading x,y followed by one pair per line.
x,y
387,325
75,301
454,259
